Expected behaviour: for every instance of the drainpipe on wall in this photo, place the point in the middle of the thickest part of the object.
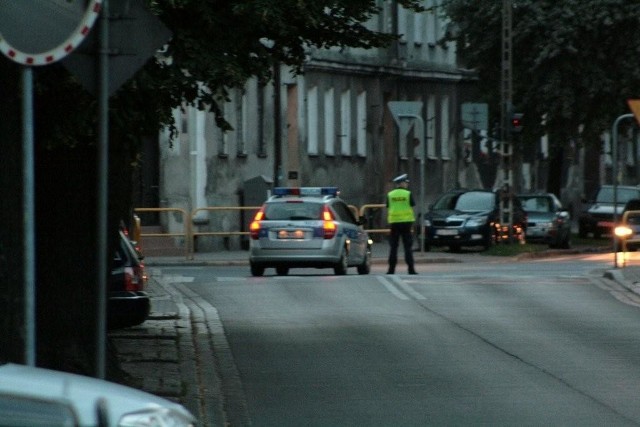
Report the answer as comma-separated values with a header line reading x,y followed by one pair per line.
x,y
277,132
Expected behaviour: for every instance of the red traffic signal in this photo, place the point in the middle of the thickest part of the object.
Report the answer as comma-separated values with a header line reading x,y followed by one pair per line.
x,y
515,123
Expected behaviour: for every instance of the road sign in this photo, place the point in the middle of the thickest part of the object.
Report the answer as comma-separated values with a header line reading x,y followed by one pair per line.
x,y
134,37
41,32
475,116
404,113
634,105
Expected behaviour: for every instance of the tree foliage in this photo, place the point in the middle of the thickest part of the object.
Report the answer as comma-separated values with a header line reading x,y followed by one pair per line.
x,y
574,61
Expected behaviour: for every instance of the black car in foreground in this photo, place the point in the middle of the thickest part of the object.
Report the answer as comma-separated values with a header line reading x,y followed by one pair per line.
x,y
471,218
128,304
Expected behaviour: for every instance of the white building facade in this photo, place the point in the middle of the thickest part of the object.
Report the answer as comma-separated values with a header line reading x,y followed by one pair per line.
x,y
329,126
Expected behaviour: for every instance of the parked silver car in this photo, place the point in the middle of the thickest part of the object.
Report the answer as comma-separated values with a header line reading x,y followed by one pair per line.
x,y
308,227
547,221
37,397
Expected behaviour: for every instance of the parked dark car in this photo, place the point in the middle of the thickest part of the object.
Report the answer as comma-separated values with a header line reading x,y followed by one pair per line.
x,y
128,303
471,218
547,221
597,219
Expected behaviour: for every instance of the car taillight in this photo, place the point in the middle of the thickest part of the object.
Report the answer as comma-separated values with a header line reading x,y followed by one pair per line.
x,y
133,279
329,225
254,227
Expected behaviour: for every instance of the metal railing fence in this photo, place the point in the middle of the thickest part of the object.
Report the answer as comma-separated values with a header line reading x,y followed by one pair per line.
x,y
189,234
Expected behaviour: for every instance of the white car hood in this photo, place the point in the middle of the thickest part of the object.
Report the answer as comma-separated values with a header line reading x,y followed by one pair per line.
x,y
82,392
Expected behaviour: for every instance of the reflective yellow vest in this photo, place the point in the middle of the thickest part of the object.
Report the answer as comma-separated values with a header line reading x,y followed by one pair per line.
x,y
399,206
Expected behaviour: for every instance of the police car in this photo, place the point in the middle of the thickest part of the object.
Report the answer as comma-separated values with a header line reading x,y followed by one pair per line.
x,y
307,227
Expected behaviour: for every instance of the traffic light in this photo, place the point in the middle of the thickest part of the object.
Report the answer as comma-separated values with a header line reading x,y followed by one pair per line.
x,y
515,123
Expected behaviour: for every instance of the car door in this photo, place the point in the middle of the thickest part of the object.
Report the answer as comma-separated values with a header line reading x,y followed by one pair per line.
x,y
354,231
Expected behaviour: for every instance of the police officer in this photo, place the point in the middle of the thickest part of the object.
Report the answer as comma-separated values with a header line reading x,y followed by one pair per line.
x,y
401,218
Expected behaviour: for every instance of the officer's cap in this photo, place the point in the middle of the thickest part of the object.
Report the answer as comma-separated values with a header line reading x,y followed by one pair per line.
x,y
402,178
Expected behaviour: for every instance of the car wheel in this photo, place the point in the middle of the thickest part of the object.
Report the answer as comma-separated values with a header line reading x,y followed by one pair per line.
x,y
365,267
340,269
454,248
282,271
257,270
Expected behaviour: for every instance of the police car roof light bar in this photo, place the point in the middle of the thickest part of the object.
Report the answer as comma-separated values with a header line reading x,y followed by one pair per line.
x,y
305,191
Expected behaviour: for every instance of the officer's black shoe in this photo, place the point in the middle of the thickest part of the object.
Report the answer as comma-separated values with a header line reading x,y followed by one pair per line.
x,y
391,271
413,272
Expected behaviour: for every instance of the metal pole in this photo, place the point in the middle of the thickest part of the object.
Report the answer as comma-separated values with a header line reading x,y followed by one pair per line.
x,y
506,160
28,216
614,174
421,130
102,176
277,132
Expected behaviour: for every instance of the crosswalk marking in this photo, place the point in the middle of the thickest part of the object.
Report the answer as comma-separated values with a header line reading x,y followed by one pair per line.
x,y
392,284
391,288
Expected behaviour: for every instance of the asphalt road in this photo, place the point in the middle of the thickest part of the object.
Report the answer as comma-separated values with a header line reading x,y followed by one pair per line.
x,y
530,343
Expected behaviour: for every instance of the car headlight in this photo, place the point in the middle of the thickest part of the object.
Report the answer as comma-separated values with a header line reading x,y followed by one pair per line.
x,y
158,416
546,224
427,223
623,231
477,221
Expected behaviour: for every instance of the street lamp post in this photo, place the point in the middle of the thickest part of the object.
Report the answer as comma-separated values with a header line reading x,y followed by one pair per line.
x,y
614,178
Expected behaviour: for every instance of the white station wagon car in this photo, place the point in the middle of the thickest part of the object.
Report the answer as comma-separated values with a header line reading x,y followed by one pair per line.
x,y
308,227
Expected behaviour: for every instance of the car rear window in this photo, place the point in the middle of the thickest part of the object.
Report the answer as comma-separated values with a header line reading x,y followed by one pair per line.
x,y
623,195
536,204
475,201
293,211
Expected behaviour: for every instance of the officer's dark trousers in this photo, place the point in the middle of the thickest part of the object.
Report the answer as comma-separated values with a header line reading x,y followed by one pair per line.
x,y
401,230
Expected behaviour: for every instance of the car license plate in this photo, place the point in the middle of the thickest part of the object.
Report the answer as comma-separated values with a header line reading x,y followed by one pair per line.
x,y
447,232
605,224
290,234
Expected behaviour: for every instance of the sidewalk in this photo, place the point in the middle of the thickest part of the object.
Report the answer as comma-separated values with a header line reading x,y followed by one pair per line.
x,y
170,354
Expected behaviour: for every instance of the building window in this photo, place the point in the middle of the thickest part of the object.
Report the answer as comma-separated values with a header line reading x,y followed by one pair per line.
x,y
431,127
242,119
223,137
184,122
361,125
312,121
329,123
445,132
345,123
418,28
262,146
402,24
432,23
